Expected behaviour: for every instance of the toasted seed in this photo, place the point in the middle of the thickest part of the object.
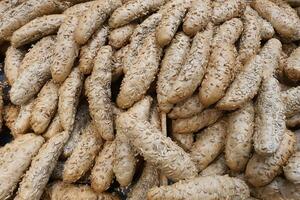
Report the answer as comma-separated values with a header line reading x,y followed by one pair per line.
x,y
219,74
9,4
247,82
93,18
16,17
15,159
203,187
81,120
22,122
118,62
147,180
65,51
291,98
78,9
238,143
44,108
171,19
270,191
138,39
10,114
185,141
12,63
89,51
292,69
217,167
32,79
228,32
132,10
292,168
186,108
102,173
69,93
53,128
125,162
209,145
42,165
261,170
171,64
250,38
83,156
269,118
119,37
284,23
98,91
266,29
36,29
196,122
138,78
193,70
61,190
226,10
197,17
157,148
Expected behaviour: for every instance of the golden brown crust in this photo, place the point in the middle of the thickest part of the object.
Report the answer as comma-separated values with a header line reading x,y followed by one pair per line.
x,y
292,69
138,38
291,98
54,127
22,122
228,32
10,114
82,119
251,36
217,167
124,165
